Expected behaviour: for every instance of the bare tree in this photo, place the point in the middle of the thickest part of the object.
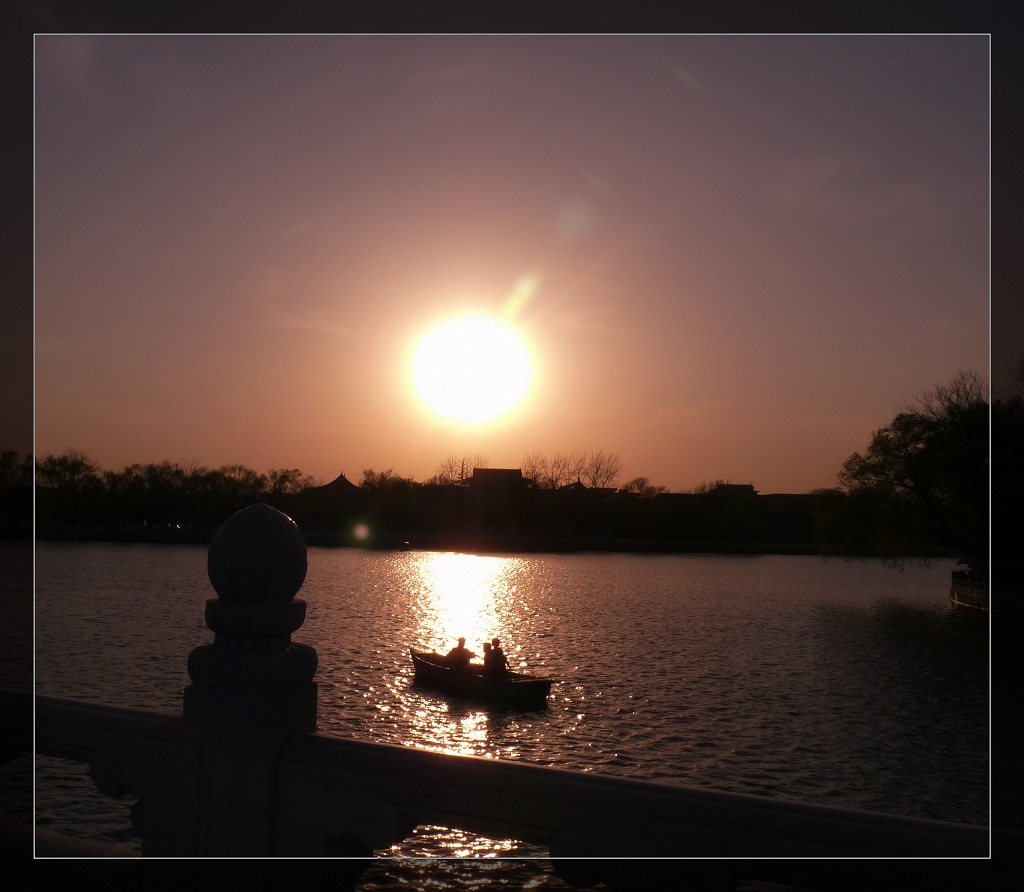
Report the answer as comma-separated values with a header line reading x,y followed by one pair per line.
x,y
377,480
576,467
72,469
597,469
287,481
474,460
243,478
456,470
643,486
535,467
705,487
447,472
193,467
560,469
601,469
965,392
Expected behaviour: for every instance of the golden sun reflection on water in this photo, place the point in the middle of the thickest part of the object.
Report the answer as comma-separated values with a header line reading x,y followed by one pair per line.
x,y
431,841
462,596
466,731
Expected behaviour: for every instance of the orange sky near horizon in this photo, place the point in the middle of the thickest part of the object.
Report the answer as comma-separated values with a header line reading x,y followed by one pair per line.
x,y
730,257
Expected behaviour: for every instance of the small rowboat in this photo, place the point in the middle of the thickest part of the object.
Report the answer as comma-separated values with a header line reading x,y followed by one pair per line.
x,y
512,689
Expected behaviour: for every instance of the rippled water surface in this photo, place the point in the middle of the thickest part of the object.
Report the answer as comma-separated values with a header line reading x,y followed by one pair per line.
x,y
842,683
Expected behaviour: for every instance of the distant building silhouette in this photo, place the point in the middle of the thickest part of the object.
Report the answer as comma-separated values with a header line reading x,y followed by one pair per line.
x,y
733,489
494,480
496,500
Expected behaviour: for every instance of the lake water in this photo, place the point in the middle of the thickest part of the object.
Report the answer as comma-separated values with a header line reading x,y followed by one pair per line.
x,y
834,682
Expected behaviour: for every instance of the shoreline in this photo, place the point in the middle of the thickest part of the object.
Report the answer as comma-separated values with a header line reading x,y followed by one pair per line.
x,y
515,544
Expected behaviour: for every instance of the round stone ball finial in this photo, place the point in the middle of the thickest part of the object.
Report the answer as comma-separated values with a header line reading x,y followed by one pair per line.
x,y
258,556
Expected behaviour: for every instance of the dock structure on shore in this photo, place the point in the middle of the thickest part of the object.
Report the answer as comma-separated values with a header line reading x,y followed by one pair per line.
x,y
969,588
243,773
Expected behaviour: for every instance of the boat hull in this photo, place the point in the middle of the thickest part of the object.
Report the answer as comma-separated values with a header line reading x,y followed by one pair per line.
x,y
515,689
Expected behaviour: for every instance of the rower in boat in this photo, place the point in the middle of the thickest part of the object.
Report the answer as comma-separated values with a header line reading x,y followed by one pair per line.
x,y
495,663
460,655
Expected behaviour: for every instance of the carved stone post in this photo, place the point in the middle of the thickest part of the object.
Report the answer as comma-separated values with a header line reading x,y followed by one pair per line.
x,y
251,689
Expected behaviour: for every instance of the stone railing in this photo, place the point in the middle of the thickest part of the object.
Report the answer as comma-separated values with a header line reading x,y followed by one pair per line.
x,y
242,772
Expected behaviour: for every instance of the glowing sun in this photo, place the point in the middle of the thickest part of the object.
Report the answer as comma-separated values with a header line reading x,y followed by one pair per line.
x,y
472,369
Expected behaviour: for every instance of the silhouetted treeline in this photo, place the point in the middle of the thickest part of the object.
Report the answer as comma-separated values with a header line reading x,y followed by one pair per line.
x,y
489,508
72,493
920,488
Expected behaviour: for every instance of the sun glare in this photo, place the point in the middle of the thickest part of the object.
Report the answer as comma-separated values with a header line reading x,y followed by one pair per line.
x,y
472,369
460,593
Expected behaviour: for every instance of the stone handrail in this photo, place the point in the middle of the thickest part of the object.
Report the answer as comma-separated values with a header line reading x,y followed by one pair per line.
x,y
577,814
345,796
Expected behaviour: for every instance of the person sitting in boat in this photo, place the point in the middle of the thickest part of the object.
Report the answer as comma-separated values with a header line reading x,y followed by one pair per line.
x,y
487,657
460,655
494,660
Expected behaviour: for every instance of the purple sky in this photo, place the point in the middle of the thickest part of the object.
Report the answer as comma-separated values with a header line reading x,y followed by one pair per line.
x,y
732,257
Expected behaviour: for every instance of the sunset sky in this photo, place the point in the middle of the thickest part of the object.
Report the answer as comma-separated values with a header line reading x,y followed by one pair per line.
x,y
728,257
